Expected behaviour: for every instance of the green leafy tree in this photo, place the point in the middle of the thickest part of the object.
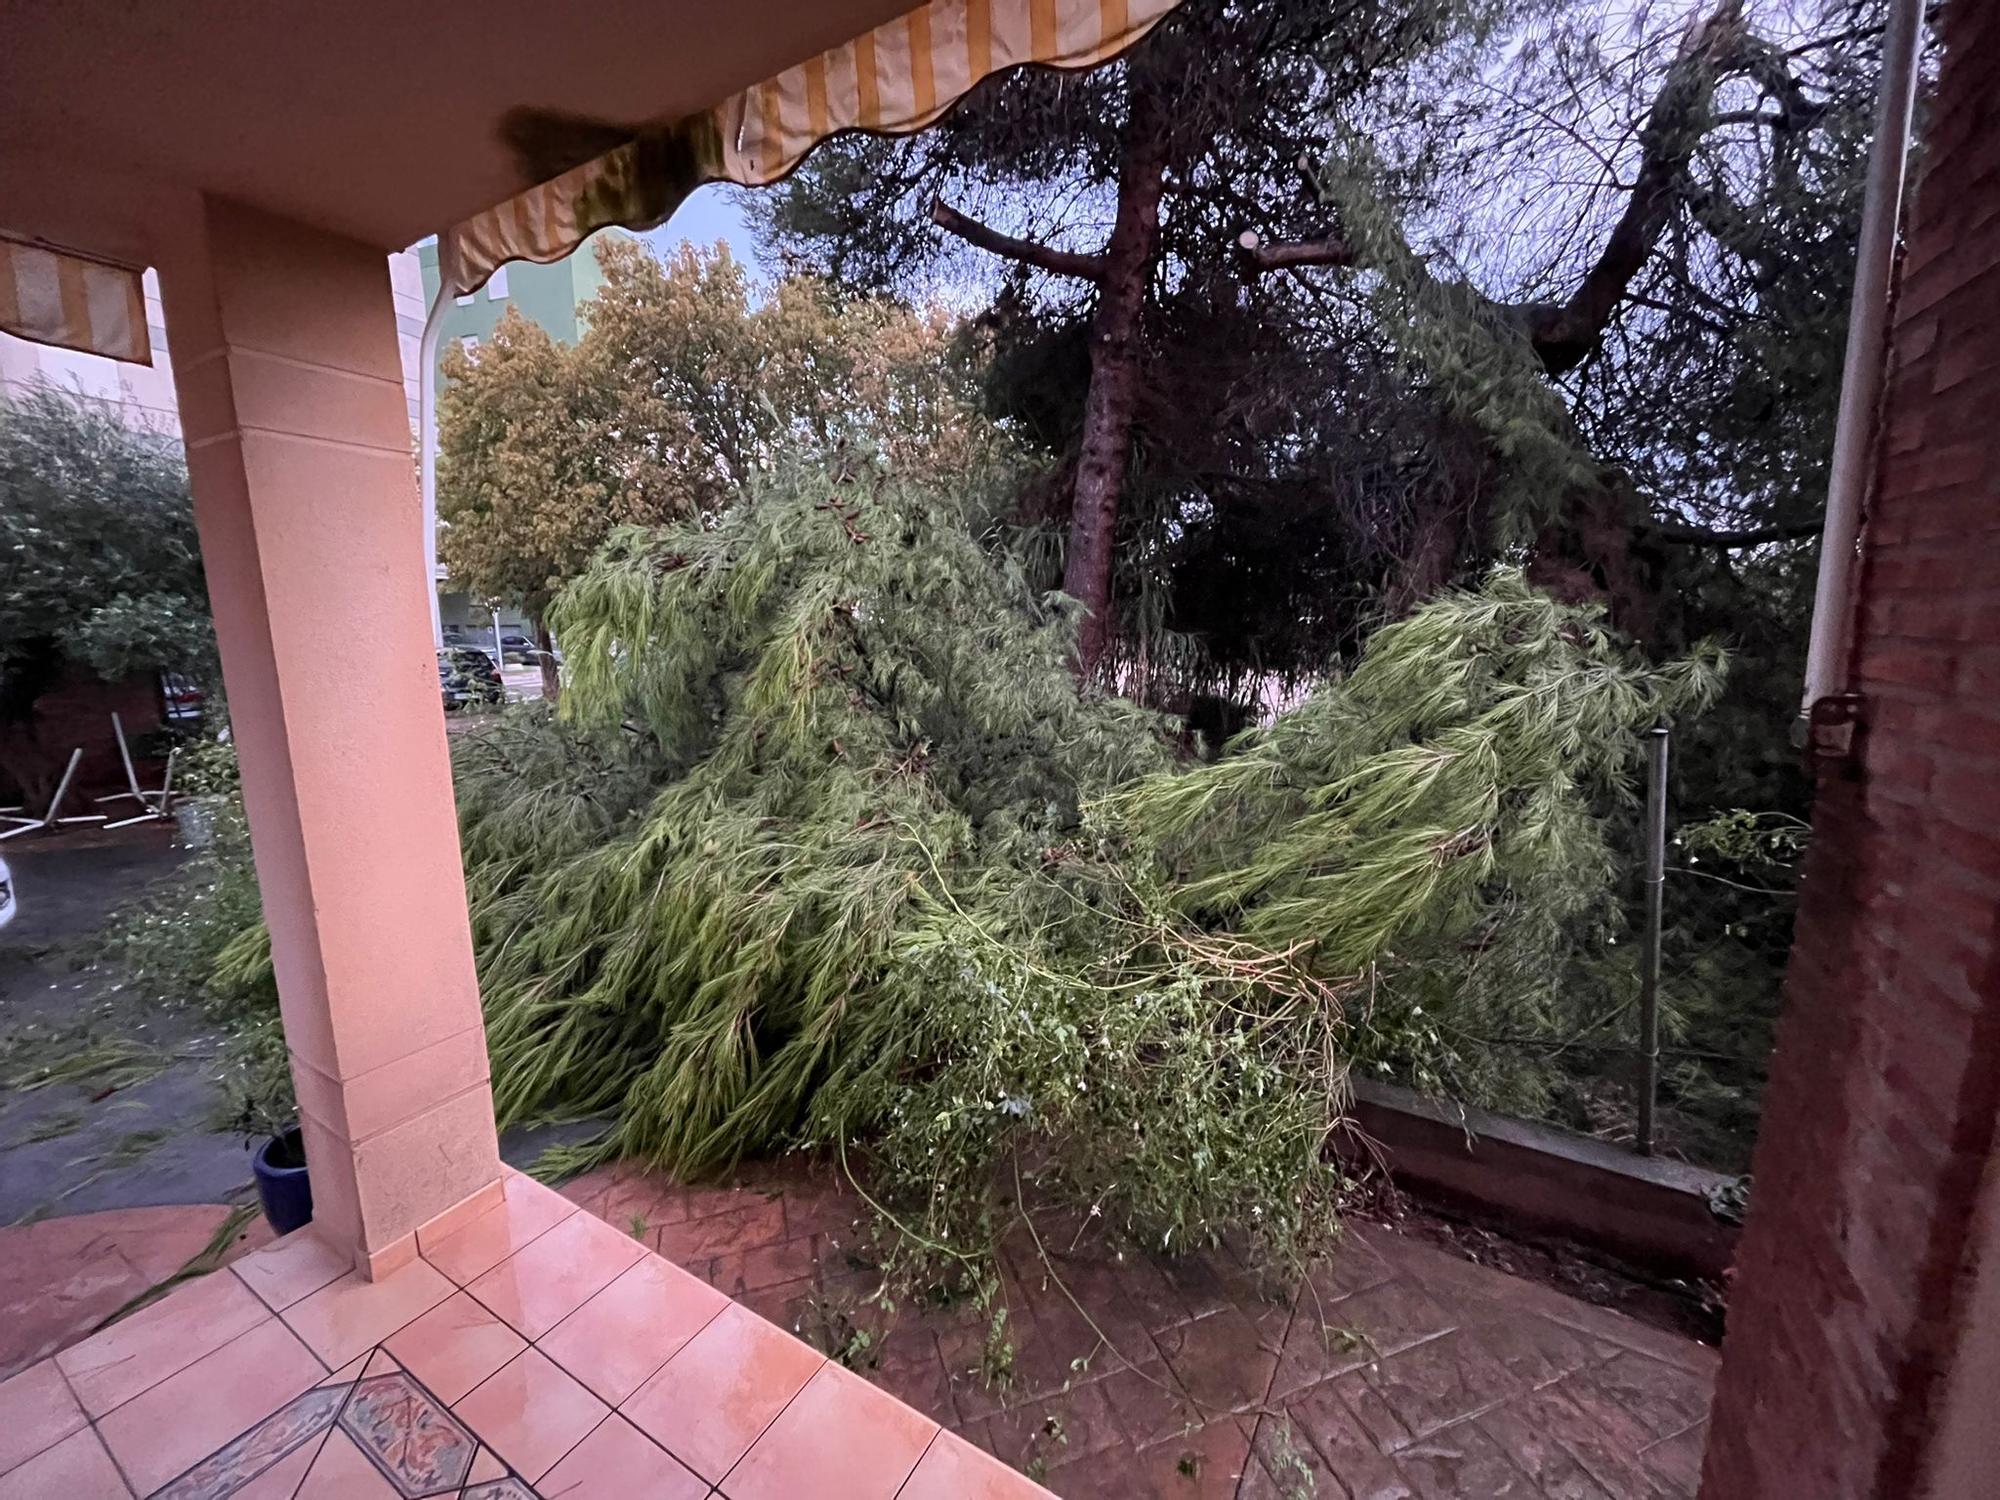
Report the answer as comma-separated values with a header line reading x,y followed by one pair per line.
x,y
676,397
100,568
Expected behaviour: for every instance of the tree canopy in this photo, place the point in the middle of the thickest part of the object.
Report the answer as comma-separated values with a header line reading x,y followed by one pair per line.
x,y
100,568
677,394
1444,282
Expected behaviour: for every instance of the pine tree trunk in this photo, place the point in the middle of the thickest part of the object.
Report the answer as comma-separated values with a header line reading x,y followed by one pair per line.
x,y
546,656
1113,396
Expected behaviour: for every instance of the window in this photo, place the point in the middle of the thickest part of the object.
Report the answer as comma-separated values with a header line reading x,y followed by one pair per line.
x,y
496,288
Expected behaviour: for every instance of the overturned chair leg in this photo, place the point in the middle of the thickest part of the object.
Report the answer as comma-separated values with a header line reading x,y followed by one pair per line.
x,y
156,804
54,816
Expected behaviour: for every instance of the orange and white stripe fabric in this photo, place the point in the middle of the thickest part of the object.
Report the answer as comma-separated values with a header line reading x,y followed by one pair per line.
x,y
895,79
54,297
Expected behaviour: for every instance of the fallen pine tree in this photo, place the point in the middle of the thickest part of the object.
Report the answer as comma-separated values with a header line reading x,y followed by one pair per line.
x,y
829,848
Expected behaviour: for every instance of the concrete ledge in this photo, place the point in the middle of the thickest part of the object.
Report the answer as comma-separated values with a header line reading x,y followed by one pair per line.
x,y
1647,1210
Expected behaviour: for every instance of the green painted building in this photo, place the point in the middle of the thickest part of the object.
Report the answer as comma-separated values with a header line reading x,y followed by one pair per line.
x,y
553,295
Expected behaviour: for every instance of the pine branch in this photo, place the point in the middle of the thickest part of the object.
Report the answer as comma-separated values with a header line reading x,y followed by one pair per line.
x,y
1260,256
1028,252
1564,333
1702,536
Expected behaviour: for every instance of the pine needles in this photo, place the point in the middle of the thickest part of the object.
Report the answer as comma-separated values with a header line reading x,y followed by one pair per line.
x,y
829,848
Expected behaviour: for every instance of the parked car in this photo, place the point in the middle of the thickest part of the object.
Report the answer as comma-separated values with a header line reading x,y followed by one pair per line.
x,y
518,650
468,676
180,698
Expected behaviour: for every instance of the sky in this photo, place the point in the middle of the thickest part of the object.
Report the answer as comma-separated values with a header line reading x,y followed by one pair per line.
x,y
709,215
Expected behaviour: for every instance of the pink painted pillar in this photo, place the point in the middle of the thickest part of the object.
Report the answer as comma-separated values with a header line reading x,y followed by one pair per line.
x,y
298,440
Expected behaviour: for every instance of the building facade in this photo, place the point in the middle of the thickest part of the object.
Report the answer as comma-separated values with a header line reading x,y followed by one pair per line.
x,y
552,295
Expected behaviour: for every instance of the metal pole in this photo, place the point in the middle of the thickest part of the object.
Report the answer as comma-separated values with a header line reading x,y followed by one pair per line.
x,y
427,357
1861,377
1649,973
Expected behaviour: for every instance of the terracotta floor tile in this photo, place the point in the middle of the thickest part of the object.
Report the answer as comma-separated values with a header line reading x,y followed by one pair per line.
x,y
77,1468
840,1439
302,1422
341,1471
188,1416
36,1412
538,1287
281,1481
488,1465
454,1346
293,1267
531,1413
627,1331
618,1461
527,1211
952,1469
350,1372
110,1368
352,1315
715,1398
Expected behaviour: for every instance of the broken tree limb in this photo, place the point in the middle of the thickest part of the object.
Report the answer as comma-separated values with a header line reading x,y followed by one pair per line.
x,y
1028,252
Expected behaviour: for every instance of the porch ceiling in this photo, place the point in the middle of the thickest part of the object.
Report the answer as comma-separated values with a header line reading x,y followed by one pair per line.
x,y
374,118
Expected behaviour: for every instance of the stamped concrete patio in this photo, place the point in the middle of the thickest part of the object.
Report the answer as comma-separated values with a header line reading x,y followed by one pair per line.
x,y
1397,1370
539,1350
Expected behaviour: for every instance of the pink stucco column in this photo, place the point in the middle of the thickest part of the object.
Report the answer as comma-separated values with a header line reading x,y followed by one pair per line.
x,y
291,397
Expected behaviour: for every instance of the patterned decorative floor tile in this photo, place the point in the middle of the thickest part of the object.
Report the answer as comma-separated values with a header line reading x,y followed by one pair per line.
x,y
419,1446
235,1465
509,1488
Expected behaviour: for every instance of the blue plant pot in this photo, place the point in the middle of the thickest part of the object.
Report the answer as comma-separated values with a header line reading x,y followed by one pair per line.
x,y
284,1190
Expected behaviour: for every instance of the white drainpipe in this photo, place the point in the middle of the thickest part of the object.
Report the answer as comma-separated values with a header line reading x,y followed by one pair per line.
x,y
427,443
1867,356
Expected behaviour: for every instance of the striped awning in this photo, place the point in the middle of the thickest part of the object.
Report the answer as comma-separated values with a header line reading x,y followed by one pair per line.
x,y
56,297
895,79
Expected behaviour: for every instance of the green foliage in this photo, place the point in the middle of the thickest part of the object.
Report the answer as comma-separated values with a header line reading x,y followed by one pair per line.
x,y
898,888
679,391
827,848
841,693
199,940
100,570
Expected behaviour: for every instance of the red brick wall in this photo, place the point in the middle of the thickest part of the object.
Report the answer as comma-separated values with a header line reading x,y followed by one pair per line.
x,y
1848,1309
